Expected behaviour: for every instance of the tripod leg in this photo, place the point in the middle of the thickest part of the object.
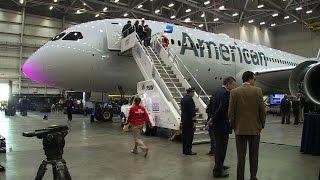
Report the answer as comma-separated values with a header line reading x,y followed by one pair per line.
x,y
59,168
68,176
41,171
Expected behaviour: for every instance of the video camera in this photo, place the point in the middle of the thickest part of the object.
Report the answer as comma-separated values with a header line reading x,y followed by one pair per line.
x,y
41,133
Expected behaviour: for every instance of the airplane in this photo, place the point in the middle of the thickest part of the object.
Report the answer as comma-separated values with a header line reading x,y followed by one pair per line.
x,y
86,57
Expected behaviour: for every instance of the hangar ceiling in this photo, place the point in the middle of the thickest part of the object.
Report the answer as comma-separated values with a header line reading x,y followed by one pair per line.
x,y
202,14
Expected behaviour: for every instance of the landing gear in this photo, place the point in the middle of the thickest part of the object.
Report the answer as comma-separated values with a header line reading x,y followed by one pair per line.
x,y
147,131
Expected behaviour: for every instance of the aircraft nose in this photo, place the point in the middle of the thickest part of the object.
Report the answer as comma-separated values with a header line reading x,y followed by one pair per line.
x,y
34,68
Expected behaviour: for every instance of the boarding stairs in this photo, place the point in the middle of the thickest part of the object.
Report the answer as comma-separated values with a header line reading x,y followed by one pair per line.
x,y
163,67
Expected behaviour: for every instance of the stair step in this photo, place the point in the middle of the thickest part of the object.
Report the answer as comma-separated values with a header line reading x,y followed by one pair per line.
x,y
181,89
170,79
168,71
164,75
200,126
160,67
201,141
174,84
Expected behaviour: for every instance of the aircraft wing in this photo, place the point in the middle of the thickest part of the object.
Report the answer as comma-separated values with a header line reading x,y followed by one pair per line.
x,y
274,80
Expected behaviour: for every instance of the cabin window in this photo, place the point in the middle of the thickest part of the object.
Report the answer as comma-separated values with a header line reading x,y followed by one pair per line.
x,y
57,37
197,46
172,41
192,45
179,43
73,36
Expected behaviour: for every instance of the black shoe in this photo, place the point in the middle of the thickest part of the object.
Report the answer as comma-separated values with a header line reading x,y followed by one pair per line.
x,y
191,154
225,167
220,174
2,169
210,153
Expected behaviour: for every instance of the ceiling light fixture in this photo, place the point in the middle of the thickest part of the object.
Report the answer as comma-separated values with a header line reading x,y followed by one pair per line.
x,y
116,1
286,17
97,15
172,17
309,11
294,21
105,9
51,7
260,6
216,19
273,24
21,1
157,11
235,14
202,15
275,15
84,4
55,1
171,5
251,21
222,8
299,8
200,25
187,20
125,14
262,23
78,12
206,3
140,6
188,10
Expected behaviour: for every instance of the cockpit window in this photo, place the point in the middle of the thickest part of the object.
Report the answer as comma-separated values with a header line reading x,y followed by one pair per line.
x,y
73,36
57,37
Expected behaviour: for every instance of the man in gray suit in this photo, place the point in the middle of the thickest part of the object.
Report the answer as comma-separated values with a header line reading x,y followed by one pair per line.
x,y
247,117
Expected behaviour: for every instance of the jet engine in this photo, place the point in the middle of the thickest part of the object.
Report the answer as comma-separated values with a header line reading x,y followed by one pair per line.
x,y
306,77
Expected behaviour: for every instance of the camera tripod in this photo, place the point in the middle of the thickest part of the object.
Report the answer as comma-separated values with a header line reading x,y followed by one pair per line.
x,y
53,145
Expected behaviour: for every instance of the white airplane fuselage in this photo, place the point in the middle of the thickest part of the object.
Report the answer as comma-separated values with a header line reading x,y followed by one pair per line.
x,y
93,63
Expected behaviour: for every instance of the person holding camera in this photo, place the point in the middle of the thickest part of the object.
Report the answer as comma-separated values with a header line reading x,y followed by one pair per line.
x,y
137,117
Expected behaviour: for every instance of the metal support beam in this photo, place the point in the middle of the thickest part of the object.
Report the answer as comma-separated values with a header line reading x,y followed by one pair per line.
x,y
289,3
21,42
285,11
205,21
242,13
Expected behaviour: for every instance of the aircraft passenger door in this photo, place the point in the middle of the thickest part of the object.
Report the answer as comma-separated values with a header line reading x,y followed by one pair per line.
x,y
114,34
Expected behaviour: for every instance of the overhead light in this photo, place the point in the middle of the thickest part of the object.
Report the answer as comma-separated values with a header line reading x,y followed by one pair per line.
x,y
84,4
105,9
140,6
260,6
294,21
187,20
21,1
78,12
309,11
216,19
51,7
273,24
222,8
200,25
188,10
235,14
143,19
262,23
171,5
299,8
172,17
275,15
157,11
251,21
97,15
116,1
206,3
125,14
286,17
55,1
202,15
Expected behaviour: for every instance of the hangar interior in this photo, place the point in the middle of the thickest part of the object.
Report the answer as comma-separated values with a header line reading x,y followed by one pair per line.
x,y
100,150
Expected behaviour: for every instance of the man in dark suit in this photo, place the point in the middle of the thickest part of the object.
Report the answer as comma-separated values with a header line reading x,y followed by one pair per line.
x,y
247,114
220,122
285,107
126,30
188,119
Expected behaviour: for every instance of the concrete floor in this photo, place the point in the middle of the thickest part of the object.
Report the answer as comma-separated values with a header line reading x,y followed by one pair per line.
x,y
101,151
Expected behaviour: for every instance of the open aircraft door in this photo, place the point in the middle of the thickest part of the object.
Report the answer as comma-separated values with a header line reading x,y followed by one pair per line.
x,y
114,34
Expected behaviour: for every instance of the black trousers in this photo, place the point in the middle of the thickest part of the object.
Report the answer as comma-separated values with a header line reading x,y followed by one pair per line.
x,y
187,138
242,143
296,114
69,114
285,117
221,150
212,140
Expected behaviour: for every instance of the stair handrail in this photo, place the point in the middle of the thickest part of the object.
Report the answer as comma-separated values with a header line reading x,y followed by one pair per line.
x,y
176,57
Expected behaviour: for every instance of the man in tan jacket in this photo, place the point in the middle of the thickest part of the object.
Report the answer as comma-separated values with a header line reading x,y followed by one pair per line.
x,y
247,117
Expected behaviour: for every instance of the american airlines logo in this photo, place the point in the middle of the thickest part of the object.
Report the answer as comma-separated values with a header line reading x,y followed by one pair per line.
x,y
139,111
223,51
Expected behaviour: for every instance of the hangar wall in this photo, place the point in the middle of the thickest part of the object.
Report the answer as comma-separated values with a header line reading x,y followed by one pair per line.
x,y
249,33
296,39
16,46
